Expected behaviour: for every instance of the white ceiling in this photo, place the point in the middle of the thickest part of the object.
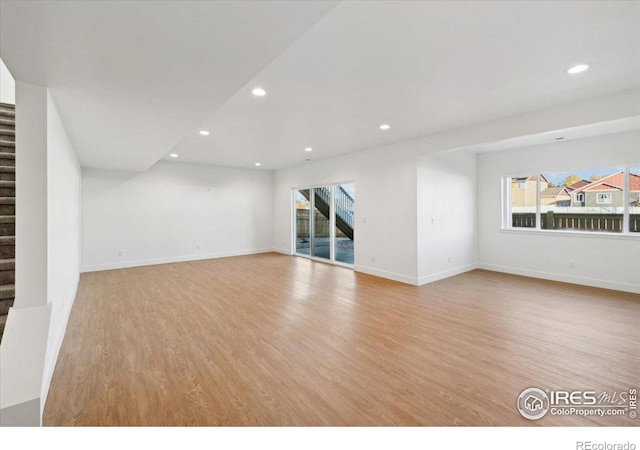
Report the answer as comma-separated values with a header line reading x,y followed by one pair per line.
x,y
555,136
135,81
132,78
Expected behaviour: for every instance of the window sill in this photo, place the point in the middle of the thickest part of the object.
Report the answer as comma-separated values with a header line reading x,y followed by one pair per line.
x,y
583,234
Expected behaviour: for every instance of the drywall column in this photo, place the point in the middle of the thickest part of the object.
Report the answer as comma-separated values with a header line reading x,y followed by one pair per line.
x,y
24,344
447,226
7,85
31,191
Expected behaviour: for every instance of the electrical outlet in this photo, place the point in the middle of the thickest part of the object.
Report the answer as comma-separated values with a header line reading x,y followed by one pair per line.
x,y
433,220
197,246
373,259
449,259
120,252
572,264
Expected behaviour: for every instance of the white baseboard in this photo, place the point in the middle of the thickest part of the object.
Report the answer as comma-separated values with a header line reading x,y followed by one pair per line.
x,y
593,282
446,274
389,275
48,370
284,251
171,259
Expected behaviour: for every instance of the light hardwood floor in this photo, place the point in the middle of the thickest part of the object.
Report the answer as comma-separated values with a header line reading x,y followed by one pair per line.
x,y
277,340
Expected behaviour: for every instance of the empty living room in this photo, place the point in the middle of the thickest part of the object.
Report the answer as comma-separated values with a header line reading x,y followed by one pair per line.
x,y
262,223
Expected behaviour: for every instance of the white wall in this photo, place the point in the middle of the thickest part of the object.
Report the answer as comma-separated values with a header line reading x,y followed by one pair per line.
x,y
64,184
385,206
604,261
24,345
48,182
166,213
447,228
386,180
7,85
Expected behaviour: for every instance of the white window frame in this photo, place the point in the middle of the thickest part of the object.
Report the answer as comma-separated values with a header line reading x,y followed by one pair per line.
x,y
599,201
332,224
507,218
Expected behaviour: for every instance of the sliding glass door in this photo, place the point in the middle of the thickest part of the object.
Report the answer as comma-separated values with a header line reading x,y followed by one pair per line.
x,y
344,222
324,222
302,208
321,226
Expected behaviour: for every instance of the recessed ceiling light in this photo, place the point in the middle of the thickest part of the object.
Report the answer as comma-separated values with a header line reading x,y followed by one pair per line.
x,y
559,138
578,69
174,155
385,126
258,164
308,149
259,92
204,133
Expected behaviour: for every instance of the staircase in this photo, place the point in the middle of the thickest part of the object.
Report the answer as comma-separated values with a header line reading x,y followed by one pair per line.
x,y
344,207
7,210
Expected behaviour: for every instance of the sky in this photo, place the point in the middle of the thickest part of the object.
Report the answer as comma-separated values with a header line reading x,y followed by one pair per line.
x,y
558,177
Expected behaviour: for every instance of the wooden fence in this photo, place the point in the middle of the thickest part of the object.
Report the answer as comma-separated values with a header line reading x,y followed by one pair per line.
x,y
321,222
585,222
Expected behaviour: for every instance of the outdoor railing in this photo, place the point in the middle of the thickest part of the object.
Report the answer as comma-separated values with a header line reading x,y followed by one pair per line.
x,y
343,207
343,202
585,222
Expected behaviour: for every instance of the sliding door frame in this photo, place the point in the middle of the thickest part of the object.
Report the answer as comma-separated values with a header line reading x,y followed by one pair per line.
x,y
332,224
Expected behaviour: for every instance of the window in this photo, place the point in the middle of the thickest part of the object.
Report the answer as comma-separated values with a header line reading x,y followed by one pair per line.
x,y
634,200
581,200
523,201
603,198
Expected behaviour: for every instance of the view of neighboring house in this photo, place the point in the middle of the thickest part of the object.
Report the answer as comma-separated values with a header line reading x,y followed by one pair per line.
x,y
605,192
555,196
579,184
524,192
634,189
587,205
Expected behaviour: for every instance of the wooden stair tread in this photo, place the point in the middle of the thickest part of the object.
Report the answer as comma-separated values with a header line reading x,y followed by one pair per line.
x,y
7,154
7,264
